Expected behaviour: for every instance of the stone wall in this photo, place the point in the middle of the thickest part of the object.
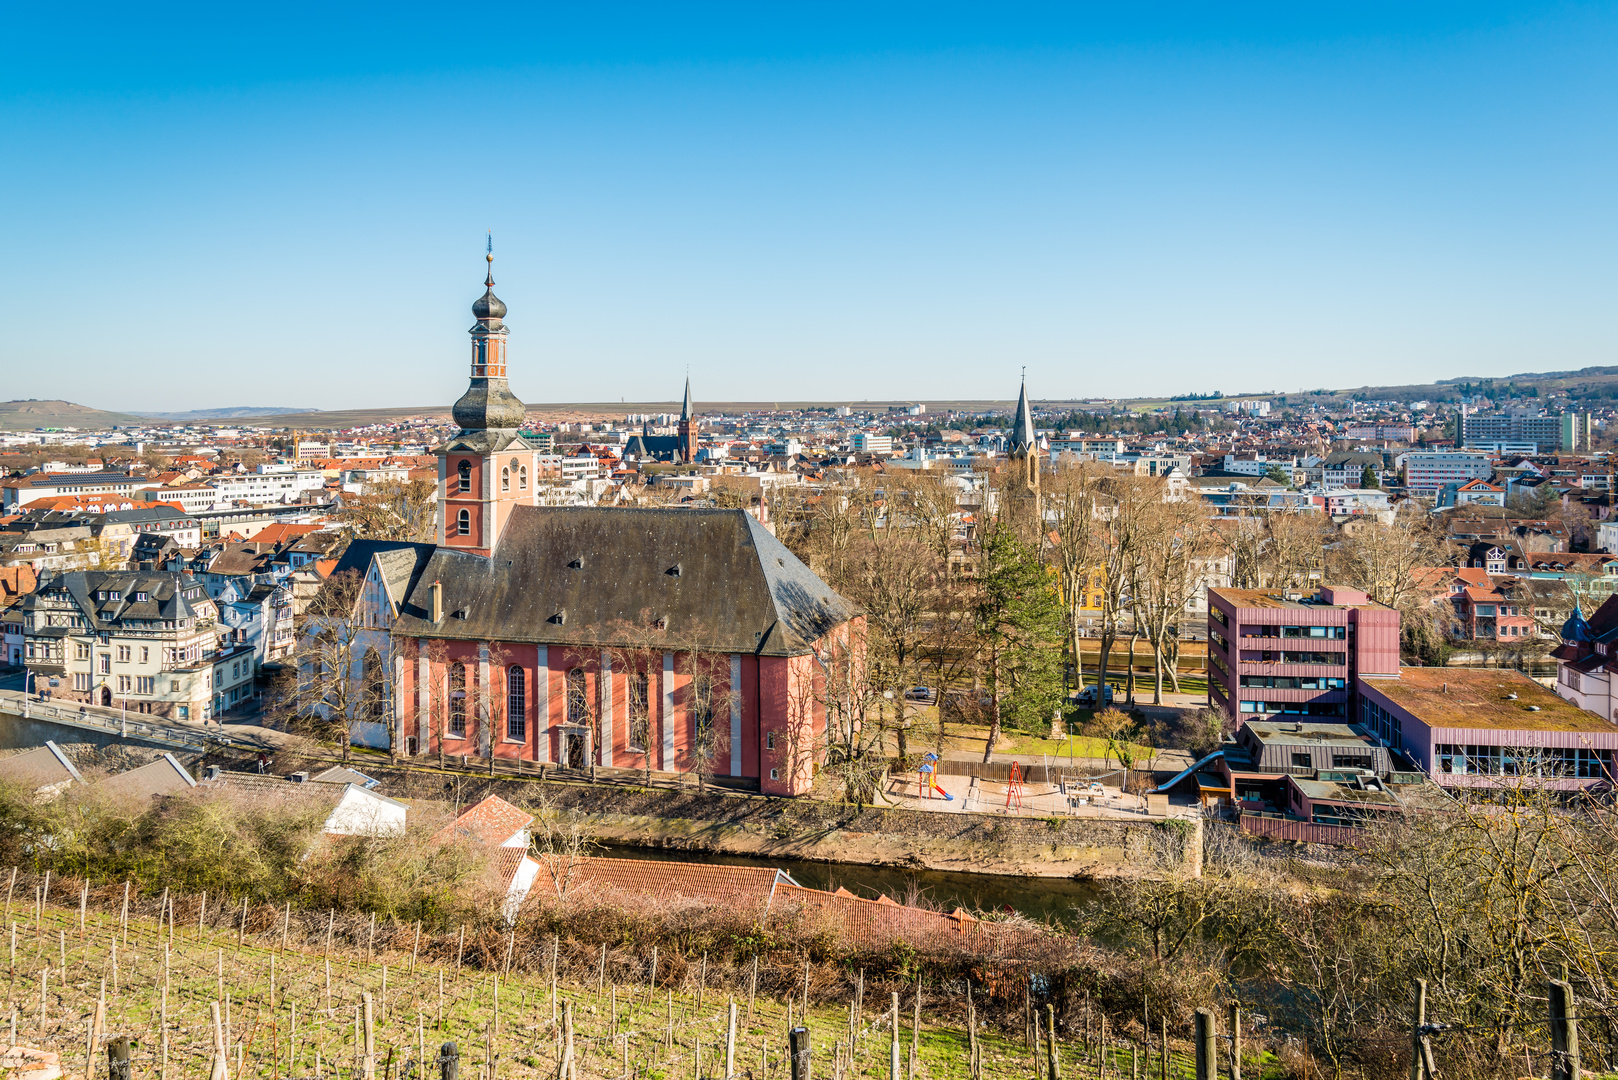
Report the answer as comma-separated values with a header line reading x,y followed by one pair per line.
x,y
739,824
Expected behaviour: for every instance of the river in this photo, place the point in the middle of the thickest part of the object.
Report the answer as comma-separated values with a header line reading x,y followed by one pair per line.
x,y
1041,899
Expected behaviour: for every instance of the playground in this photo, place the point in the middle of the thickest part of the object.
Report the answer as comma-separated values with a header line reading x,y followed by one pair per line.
x,y
1082,795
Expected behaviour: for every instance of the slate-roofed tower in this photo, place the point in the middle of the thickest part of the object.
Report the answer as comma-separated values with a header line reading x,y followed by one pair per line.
x,y
487,467
1022,486
688,426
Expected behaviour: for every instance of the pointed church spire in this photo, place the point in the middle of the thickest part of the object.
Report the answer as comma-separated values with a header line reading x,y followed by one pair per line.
x,y
685,408
1023,436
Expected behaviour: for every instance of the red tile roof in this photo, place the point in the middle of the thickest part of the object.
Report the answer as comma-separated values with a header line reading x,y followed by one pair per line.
x,y
875,922
695,881
492,821
506,863
275,534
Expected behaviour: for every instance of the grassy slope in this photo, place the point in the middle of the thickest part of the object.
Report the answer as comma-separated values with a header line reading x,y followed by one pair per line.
x,y
208,965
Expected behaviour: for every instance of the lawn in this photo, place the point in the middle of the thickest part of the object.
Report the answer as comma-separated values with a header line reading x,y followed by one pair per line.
x,y
1076,746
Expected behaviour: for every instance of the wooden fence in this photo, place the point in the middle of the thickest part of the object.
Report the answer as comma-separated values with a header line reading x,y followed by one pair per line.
x,y
1306,831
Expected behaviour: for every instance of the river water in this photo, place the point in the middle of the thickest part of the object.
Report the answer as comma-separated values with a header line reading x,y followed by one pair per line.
x,y
1041,899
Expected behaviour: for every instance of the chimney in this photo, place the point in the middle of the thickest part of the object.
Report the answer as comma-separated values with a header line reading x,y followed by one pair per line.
x,y
438,602
211,772
299,777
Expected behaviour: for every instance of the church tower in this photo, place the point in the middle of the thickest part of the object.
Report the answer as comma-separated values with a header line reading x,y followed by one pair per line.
x,y
1022,486
688,427
487,467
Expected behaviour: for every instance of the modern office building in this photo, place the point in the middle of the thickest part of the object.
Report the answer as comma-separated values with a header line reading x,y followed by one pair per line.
x,y
1295,653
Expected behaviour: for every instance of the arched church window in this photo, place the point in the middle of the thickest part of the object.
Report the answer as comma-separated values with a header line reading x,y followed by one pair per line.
x,y
505,478
522,478
464,470
463,523
516,703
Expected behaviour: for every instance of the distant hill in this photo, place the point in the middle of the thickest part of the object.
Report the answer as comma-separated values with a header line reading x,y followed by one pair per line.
x,y
236,412
31,414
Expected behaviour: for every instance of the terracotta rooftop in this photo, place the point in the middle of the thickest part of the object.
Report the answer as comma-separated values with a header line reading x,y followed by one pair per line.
x,y
697,881
492,821
874,922
1478,698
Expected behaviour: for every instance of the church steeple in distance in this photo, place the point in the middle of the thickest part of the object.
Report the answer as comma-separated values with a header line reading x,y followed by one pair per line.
x,y
1023,484
488,404
1023,436
687,428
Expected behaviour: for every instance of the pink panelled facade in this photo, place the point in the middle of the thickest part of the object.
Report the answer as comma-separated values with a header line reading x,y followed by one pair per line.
x,y
1271,652
769,712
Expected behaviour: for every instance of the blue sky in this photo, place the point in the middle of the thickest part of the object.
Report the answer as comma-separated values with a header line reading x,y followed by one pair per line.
x,y
208,207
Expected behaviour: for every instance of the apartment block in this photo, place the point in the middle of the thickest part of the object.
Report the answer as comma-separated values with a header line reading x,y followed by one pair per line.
x,y
1569,431
1431,471
1296,654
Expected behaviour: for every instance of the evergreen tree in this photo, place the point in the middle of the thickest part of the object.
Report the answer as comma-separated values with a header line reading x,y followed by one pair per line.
x,y
1368,478
1017,620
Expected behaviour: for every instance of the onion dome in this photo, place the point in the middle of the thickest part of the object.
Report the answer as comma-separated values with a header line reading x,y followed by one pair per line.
x,y
1576,629
489,306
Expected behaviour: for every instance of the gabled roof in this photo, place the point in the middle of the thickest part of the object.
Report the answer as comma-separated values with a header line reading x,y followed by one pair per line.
x,y
399,562
42,767
585,575
492,821
164,776
656,877
339,774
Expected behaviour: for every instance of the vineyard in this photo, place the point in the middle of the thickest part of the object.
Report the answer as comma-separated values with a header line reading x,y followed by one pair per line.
x,y
195,983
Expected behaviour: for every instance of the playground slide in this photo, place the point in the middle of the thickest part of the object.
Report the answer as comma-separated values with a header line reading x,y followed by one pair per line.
x,y
929,778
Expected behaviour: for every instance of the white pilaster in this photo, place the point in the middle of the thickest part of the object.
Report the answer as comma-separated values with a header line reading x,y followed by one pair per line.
x,y
667,764
397,700
424,710
485,714
735,714
542,704
606,708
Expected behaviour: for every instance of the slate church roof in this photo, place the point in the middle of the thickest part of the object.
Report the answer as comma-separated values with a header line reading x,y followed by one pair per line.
x,y
562,575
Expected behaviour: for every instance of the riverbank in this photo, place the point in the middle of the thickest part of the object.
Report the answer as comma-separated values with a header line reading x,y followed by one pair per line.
x,y
813,830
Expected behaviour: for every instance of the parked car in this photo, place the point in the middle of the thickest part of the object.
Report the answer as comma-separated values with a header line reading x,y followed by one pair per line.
x,y
922,693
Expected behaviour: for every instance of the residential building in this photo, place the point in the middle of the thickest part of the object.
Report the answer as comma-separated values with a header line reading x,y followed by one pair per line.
x,y
44,771
1356,501
1346,469
1379,432
1570,431
141,640
866,443
1487,604
1429,470
1296,654
19,492
1470,493
1587,659
343,809
495,824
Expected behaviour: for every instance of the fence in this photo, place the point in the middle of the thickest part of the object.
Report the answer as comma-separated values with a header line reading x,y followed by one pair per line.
x,y
140,726
1279,828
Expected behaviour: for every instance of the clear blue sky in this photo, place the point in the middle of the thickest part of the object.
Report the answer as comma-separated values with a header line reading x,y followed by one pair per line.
x,y
285,204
